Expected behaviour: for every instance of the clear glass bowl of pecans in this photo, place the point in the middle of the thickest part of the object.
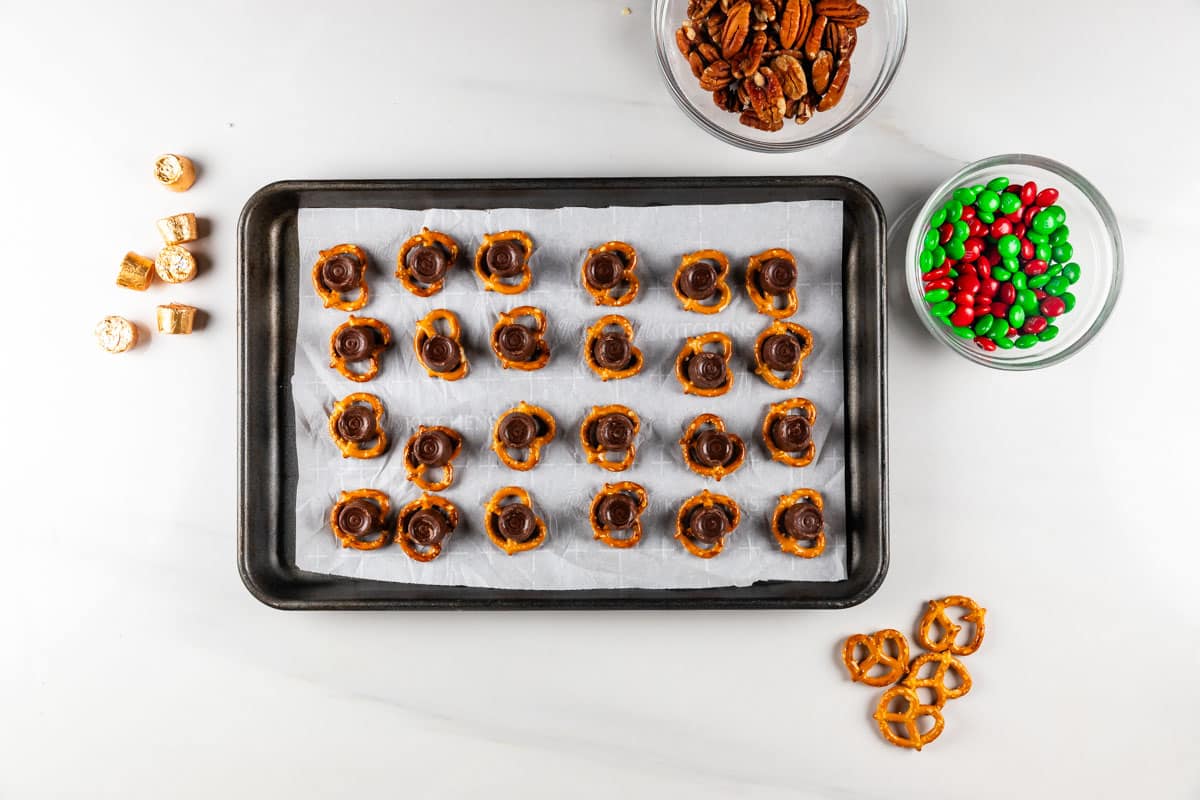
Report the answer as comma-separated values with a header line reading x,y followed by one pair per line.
x,y
779,75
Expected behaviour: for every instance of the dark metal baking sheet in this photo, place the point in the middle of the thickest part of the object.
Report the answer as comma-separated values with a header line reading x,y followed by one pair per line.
x,y
268,292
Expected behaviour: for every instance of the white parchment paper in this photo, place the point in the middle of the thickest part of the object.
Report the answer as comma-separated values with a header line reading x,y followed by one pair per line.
x,y
563,484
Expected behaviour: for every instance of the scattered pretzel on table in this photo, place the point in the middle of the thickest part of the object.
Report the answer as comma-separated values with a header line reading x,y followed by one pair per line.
x,y
936,615
513,527
520,346
876,654
701,282
432,448
356,421
709,450
358,515
771,282
503,256
615,508
703,372
524,427
944,662
424,260
706,519
341,270
798,523
356,340
608,274
908,718
423,525
788,436
611,354
781,348
610,430
442,355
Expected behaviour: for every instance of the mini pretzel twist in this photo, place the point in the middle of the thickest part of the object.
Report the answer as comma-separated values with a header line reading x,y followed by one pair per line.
x,y
353,540
936,615
493,283
723,293
382,332
418,473
694,345
783,408
782,328
408,544
794,545
426,238
491,511
717,424
332,298
427,327
936,682
765,303
356,449
535,447
908,718
875,646
624,292
605,533
706,499
541,355
636,361
596,454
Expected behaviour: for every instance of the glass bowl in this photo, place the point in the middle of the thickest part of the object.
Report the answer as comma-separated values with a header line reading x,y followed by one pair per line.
x,y
876,57
1094,236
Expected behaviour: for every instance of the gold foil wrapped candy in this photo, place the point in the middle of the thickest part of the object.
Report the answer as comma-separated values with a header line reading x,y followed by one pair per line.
x,y
178,228
174,264
137,272
175,172
116,334
176,318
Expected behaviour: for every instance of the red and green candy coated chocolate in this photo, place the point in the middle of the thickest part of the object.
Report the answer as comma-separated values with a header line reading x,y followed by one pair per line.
x,y
996,264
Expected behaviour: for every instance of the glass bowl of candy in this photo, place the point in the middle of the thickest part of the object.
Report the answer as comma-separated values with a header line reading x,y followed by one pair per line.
x,y
774,75
1014,262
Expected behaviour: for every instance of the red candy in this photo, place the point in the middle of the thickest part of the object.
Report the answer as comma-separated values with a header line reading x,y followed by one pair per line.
x,y
1035,268
963,298
983,267
988,287
1034,325
1008,294
1040,294
937,274
976,228
1000,309
944,283
986,343
1019,228
945,232
1047,197
1027,250
972,249
967,283
1028,193
1030,213
1001,227
963,316
982,307
1012,331
968,213
1053,306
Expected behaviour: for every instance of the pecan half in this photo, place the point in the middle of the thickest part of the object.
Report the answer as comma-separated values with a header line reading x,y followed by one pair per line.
x,y
804,111
681,38
736,28
709,53
848,11
837,86
822,71
791,77
765,10
844,39
752,55
812,45
789,23
715,76
752,120
699,9
727,99
714,25
697,64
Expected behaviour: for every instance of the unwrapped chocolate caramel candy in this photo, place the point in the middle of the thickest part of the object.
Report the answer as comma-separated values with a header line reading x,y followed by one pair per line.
x,y
116,334
175,318
137,272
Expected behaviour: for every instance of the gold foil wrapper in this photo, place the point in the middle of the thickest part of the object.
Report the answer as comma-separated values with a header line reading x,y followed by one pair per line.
x,y
175,264
116,334
137,272
178,228
175,172
176,318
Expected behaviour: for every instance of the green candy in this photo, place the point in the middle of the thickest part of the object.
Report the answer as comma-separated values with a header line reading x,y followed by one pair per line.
x,y
963,333
1057,285
1037,238
1060,214
1009,203
953,273
1071,271
955,249
977,188
1054,269
1011,263
987,201
1048,333
925,261
1016,316
1028,300
1026,341
1042,252
965,195
1069,300
945,321
1061,235
961,230
984,324
998,185
986,216
943,309
953,211
937,295
1001,273
938,218
1018,280
1038,281
1062,252
1044,221
939,256
931,239
1009,246
1003,342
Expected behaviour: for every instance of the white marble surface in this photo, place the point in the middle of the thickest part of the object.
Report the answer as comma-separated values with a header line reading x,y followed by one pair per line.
x,y
134,664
